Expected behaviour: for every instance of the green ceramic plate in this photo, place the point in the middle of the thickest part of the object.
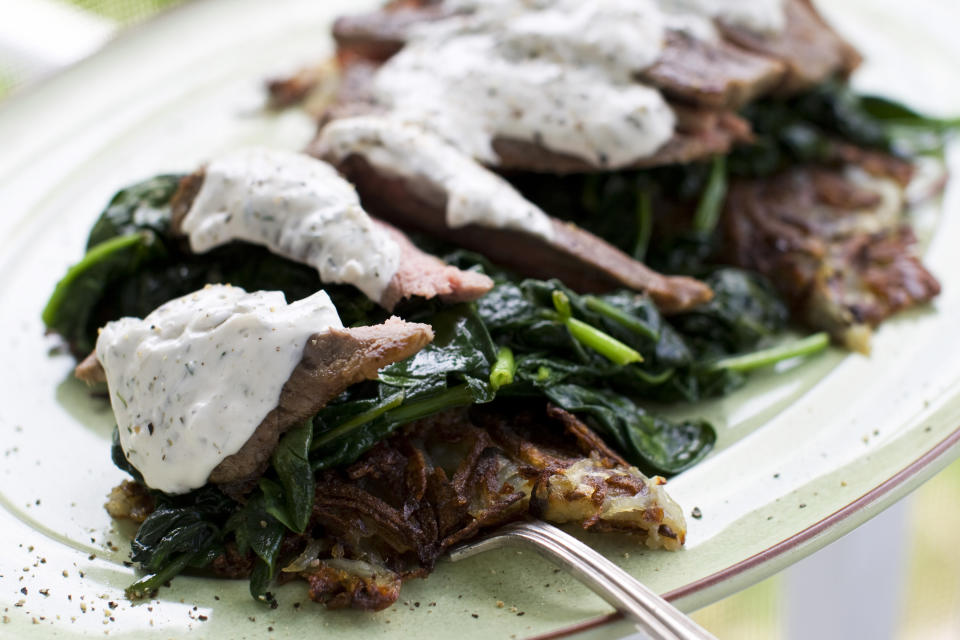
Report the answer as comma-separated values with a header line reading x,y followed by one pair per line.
x,y
803,457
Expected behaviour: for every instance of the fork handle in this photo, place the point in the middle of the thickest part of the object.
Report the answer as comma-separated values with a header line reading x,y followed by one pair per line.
x,y
660,619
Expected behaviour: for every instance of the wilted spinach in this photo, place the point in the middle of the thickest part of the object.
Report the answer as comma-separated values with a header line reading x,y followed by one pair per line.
x,y
134,264
452,371
596,356
183,531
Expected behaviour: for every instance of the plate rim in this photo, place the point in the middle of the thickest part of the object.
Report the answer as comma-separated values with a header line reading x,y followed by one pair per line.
x,y
833,526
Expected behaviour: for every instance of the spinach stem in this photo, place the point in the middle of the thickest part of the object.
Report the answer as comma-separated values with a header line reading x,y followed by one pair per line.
x,y
369,415
589,336
562,304
711,201
95,255
765,357
603,343
621,317
145,585
644,225
396,413
458,396
653,378
503,369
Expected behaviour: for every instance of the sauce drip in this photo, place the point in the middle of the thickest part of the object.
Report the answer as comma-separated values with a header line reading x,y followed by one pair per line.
x,y
475,195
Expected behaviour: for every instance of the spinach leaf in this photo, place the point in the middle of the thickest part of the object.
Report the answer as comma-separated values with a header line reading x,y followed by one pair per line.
x,y
119,459
744,311
182,531
452,371
292,465
144,206
255,528
70,311
653,444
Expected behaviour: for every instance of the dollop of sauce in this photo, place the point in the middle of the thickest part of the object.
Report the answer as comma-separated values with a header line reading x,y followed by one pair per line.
x,y
556,73
475,195
299,208
190,383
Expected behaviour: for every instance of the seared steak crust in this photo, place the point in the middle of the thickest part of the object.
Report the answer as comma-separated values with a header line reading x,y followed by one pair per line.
x,y
716,75
377,35
811,50
423,275
700,133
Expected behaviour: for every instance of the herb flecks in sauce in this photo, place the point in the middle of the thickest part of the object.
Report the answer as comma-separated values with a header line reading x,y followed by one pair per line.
x,y
299,208
192,381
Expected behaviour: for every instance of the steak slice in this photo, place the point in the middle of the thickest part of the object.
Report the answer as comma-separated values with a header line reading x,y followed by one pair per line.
x,y
811,50
377,35
834,242
699,134
331,362
426,276
578,258
710,74
716,75
419,274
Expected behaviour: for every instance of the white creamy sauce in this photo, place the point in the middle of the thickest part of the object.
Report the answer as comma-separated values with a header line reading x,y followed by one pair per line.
x,y
761,16
190,383
558,73
299,208
555,73
475,195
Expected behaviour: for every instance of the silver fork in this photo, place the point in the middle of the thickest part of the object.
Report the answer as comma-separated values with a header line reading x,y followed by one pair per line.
x,y
654,615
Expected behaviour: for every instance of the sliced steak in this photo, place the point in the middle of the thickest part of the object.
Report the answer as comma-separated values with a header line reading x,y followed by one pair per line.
x,y
834,242
700,133
332,361
578,258
710,76
377,35
716,75
425,276
811,50
419,274
90,370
